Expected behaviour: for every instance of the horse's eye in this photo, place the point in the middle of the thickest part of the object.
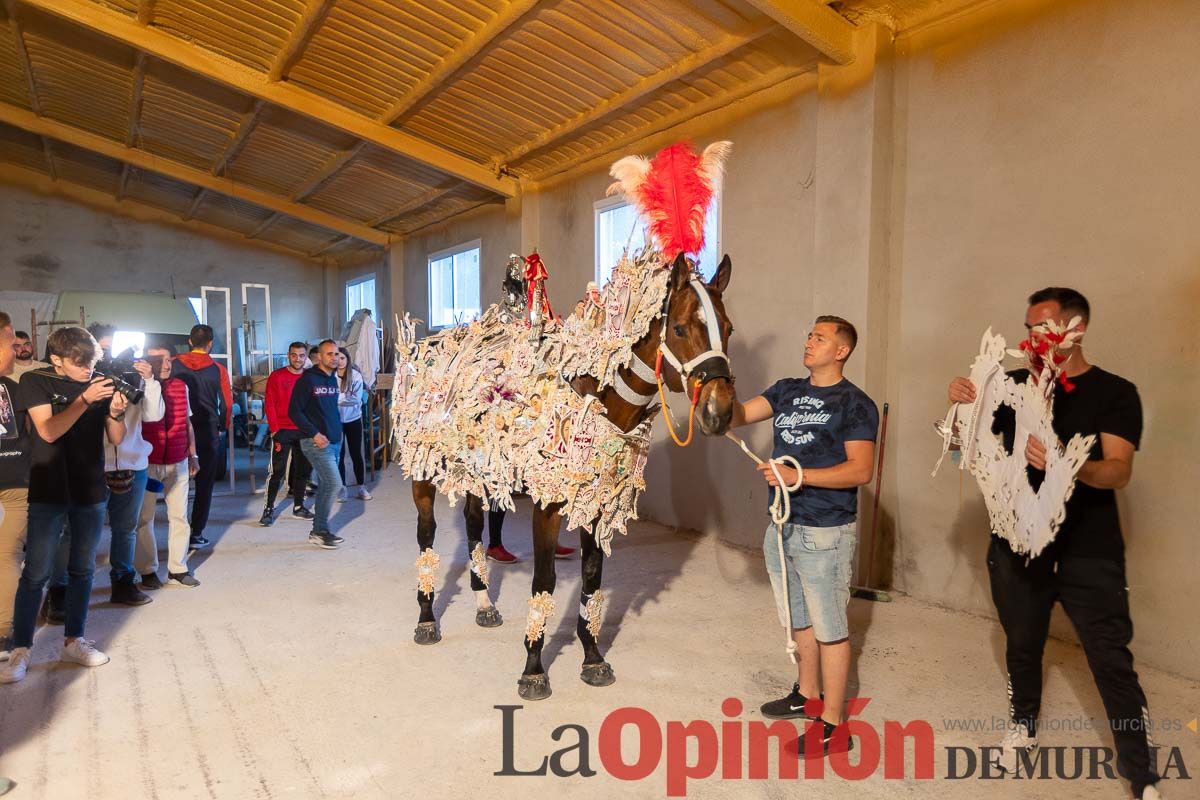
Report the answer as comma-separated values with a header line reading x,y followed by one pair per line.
x,y
679,331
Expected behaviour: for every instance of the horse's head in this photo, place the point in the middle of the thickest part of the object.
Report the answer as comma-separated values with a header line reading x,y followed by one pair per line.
x,y
694,343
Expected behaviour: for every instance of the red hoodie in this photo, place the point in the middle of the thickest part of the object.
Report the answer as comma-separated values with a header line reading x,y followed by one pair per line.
x,y
208,387
279,394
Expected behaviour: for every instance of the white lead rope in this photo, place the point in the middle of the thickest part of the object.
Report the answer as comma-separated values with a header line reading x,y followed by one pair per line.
x,y
781,509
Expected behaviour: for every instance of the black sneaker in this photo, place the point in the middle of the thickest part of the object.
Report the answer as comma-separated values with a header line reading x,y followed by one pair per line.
x,y
151,581
268,517
310,490
182,579
127,593
300,512
789,707
826,731
198,542
324,539
54,609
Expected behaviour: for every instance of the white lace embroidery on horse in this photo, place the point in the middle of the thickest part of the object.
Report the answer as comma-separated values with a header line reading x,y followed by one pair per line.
x,y
482,409
1028,520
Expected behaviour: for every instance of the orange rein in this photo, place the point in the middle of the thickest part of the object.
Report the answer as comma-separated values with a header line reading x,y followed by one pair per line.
x,y
663,399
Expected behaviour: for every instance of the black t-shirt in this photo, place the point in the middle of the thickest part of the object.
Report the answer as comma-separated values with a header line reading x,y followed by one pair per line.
x,y
14,439
71,469
812,424
1101,403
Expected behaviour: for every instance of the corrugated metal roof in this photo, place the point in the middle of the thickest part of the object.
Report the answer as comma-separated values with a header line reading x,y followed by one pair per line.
x,y
535,87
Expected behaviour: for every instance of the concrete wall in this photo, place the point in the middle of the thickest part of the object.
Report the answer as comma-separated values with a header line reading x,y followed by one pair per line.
x,y
924,193
499,232
52,244
1059,151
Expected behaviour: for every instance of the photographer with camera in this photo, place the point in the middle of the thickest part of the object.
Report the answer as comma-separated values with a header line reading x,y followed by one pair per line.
x,y
72,413
125,470
212,401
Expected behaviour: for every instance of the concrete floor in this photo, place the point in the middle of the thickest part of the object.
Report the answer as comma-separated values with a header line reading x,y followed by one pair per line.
x,y
292,673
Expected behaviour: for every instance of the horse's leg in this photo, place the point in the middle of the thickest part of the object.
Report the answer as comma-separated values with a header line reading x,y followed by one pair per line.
x,y
596,671
534,683
486,614
427,628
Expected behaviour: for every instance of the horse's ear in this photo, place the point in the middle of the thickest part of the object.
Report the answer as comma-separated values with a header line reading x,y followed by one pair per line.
x,y
720,280
680,273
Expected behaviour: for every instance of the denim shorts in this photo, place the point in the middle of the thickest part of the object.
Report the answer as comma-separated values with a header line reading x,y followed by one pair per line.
x,y
819,563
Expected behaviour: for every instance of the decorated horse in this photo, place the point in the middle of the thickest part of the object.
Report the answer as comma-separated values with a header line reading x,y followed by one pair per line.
x,y
523,400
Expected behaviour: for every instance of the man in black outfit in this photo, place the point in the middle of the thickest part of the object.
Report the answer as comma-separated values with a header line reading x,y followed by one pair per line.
x,y
212,398
1084,567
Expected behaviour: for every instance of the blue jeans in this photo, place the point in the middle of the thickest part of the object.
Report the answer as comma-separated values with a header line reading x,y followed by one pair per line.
x,y
819,564
324,462
46,523
124,510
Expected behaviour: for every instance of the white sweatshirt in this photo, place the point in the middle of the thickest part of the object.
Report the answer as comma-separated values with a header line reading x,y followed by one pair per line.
x,y
134,451
350,402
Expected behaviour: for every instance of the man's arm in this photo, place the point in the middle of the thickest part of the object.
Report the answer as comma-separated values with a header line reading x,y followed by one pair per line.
x,y
51,427
226,395
114,422
756,409
854,471
153,407
270,397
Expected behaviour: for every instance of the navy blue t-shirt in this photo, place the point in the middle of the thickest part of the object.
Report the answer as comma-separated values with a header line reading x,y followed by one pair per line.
x,y
812,425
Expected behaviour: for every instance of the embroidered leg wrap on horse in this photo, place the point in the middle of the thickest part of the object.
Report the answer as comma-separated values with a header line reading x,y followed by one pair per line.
x,y
541,608
479,565
427,566
591,611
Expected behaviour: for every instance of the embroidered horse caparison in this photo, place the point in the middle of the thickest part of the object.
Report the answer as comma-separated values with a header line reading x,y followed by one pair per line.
x,y
562,409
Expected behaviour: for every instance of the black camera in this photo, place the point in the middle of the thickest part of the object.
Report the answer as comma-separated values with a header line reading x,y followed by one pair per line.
x,y
125,379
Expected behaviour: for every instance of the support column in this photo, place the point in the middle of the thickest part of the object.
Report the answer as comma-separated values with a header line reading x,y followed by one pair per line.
x,y
395,272
853,184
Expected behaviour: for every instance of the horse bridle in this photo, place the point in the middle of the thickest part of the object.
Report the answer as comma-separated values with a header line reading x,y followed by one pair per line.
x,y
712,363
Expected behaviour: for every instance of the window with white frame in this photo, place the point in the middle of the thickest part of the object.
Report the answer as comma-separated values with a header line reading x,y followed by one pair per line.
x,y
454,285
619,226
360,293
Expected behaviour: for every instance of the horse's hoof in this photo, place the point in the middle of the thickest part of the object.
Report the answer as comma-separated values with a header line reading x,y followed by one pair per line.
x,y
427,633
598,674
489,618
534,687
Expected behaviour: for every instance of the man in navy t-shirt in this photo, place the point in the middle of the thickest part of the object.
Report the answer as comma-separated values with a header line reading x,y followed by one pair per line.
x,y
828,425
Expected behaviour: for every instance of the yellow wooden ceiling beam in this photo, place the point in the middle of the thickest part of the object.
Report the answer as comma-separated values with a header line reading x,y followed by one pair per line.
x,y
651,83
420,201
207,64
458,59
314,15
135,104
44,126
822,27
245,127
331,168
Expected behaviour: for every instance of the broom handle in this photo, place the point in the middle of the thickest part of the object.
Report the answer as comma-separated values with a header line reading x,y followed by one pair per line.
x,y
878,483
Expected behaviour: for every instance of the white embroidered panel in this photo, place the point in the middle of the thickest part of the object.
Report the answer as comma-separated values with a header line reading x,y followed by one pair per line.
x,y
485,408
1029,520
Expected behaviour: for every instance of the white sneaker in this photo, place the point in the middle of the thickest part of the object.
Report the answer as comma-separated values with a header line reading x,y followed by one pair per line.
x,y
83,651
17,666
341,495
1016,741
363,494
1151,793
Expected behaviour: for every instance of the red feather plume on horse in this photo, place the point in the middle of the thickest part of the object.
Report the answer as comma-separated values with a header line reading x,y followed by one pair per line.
x,y
673,191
